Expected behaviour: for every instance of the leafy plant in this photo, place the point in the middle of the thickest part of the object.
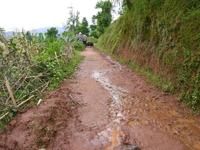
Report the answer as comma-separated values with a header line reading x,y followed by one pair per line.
x,y
102,19
78,45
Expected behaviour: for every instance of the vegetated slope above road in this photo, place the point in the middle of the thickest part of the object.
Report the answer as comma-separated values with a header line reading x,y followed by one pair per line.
x,y
163,37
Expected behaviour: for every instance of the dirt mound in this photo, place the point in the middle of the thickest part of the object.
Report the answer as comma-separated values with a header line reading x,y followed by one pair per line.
x,y
39,127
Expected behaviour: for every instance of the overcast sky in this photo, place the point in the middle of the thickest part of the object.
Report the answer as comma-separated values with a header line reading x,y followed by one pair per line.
x,y
33,14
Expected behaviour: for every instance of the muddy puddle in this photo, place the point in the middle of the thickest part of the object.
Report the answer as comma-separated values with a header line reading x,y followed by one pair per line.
x,y
113,133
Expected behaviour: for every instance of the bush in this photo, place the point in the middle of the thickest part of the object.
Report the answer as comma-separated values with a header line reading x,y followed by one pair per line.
x,y
92,40
78,45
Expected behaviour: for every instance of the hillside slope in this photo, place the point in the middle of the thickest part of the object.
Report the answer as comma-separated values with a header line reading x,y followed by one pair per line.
x,y
163,36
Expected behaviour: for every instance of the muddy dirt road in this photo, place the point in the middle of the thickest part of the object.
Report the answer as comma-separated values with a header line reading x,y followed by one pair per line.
x,y
104,107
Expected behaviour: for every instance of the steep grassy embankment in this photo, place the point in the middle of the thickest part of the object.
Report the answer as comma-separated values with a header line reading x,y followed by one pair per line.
x,y
163,36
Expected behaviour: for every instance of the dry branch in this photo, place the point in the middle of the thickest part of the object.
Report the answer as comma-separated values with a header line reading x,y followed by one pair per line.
x,y
10,91
22,103
2,117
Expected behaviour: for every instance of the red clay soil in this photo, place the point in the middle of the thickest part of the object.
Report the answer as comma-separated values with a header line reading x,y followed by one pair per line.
x,y
106,106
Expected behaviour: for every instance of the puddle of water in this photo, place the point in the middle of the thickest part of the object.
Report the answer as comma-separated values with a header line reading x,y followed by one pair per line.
x,y
113,131
116,92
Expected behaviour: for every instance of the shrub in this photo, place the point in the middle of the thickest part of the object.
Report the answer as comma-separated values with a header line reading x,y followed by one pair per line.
x,y
78,45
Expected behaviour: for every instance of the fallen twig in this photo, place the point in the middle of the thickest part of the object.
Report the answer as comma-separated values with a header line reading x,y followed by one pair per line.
x,y
19,105
2,117
22,103
10,91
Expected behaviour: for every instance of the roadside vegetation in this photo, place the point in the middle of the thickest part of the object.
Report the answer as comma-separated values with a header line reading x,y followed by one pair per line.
x,y
32,64
163,37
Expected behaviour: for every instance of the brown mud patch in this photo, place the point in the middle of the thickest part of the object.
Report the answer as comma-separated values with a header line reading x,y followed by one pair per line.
x,y
43,126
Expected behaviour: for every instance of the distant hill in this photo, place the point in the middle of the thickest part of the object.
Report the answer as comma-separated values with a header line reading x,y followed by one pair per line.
x,y
9,34
43,30
39,30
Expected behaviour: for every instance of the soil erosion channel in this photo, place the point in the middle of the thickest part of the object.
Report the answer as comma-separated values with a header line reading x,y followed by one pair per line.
x,y
114,109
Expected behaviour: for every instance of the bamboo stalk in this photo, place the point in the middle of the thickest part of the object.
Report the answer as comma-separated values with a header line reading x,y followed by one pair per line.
x,y
56,56
4,115
22,82
22,103
10,91
44,88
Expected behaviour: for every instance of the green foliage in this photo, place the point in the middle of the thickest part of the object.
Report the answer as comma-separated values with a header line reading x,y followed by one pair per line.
x,y
40,37
2,41
53,62
75,26
93,31
32,65
83,27
78,45
103,18
153,78
52,33
28,36
92,39
163,35
2,38
17,68
73,21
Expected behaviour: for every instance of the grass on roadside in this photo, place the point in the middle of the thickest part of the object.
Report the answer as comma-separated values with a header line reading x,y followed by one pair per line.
x,y
68,70
151,77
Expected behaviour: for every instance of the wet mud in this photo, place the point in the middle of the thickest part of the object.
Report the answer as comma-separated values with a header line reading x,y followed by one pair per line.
x,y
105,106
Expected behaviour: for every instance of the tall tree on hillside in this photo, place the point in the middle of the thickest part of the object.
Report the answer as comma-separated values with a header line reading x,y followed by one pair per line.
x,y
104,16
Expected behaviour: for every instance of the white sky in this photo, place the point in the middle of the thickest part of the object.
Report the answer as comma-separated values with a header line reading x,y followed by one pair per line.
x,y
33,14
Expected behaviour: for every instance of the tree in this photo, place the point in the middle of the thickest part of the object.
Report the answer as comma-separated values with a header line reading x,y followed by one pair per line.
x,y
29,36
104,17
93,31
83,27
73,21
40,37
52,33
